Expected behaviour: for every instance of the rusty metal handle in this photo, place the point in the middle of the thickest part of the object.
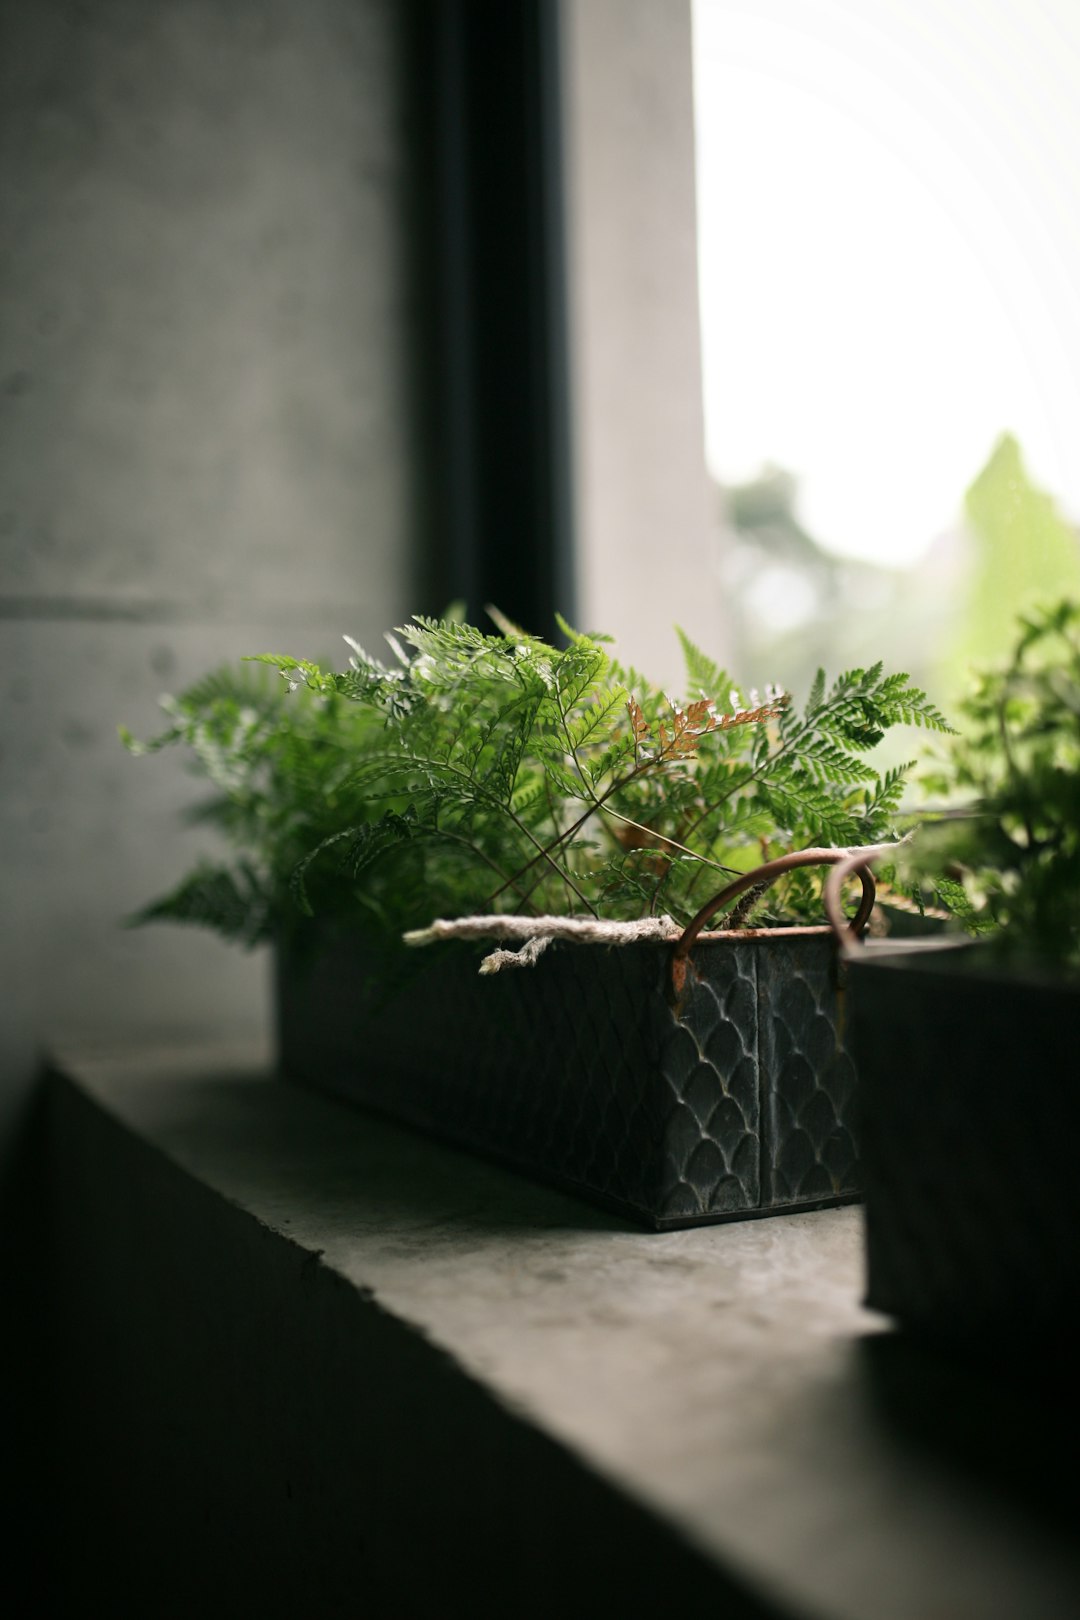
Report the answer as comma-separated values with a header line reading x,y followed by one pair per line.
x,y
860,861
853,861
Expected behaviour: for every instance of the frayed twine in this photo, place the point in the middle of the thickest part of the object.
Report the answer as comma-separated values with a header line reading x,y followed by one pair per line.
x,y
537,933
525,957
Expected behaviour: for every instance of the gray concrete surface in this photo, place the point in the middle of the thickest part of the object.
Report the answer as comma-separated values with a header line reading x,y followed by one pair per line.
x,y
206,444
724,1381
246,1431
206,303
646,520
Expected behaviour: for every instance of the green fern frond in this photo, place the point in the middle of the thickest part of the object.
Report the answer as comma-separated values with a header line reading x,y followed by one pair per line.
x,y
705,678
232,902
495,770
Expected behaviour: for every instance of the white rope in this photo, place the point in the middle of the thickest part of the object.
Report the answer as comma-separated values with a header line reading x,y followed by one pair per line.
x,y
526,956
535,934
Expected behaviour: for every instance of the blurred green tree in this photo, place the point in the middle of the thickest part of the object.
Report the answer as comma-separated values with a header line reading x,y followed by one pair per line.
x,y
1020,549
801,605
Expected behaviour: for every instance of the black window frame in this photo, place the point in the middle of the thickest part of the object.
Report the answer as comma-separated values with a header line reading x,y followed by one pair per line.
x,y
493,362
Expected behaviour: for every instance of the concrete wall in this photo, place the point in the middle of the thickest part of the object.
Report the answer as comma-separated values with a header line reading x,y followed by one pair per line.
x,y
646,529
206,445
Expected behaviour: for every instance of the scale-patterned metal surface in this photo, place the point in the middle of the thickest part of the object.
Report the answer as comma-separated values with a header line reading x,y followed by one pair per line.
x,y
578,1070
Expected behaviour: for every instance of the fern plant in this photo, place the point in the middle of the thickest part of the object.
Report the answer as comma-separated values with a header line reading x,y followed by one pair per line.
x,y
1004,856
484,772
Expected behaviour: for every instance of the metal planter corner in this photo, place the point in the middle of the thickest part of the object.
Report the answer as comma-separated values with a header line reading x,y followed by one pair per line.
x,y
735,1101
969,1118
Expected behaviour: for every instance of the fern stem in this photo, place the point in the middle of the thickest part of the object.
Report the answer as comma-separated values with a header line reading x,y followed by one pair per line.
x,y
672,843
482,855
575,826
544,854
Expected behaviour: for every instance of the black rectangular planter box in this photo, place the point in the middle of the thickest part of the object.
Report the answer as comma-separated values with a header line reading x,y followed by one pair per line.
x,y
580,1071
969,1121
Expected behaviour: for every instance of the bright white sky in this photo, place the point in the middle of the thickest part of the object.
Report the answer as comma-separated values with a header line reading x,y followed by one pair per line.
x,y
889,216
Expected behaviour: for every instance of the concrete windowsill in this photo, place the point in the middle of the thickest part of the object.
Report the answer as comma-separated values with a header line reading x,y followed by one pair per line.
x,y
723,1382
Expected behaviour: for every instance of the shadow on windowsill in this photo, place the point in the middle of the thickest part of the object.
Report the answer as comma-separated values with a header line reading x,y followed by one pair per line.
x,y
1006,1421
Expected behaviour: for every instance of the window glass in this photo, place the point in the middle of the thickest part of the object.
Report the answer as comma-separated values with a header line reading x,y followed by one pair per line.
x,y
889,219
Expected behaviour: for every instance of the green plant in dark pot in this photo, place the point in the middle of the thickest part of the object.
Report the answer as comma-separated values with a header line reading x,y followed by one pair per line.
x,y
481,787
967,1058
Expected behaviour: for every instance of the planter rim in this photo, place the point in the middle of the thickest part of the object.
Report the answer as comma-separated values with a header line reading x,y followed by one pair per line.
x,y
969,961
711,936
725,936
